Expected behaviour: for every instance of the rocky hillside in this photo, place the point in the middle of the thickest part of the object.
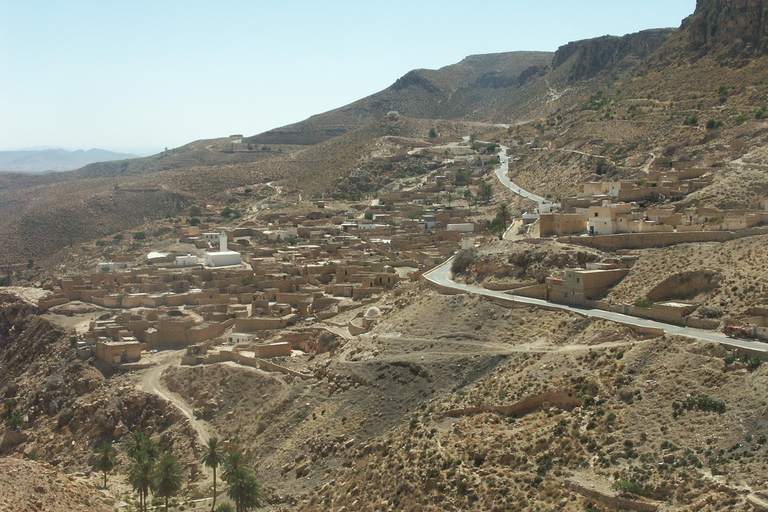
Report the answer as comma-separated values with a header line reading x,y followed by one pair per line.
x,y
590,57
27,485
731,28
70,407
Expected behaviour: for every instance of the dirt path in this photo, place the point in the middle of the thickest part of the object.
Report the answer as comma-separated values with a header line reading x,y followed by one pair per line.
x,y
150,382
451,347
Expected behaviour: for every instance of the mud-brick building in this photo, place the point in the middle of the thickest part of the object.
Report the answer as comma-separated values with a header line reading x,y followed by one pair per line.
x,y
127,350
577,285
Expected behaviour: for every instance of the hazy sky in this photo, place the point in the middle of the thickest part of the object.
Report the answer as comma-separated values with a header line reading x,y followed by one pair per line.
x,y
142,75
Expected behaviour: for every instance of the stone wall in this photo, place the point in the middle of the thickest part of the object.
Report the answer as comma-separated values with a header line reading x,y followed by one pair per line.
x,y
561,399
646,240
613,502
52,300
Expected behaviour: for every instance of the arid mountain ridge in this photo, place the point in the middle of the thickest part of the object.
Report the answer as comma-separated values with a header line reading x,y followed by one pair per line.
x,y
54,160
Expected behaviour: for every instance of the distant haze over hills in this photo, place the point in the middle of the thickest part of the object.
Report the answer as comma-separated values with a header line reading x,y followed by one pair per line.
x,y
54,159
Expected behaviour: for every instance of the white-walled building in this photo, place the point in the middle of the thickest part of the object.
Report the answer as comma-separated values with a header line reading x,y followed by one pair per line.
x,y
222,257
240,337
113,265
187,260
464,227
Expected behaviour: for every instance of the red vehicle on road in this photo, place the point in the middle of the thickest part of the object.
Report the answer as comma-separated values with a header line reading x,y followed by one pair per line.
x,y
739,331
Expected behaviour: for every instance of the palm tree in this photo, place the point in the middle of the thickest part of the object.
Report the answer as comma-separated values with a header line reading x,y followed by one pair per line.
x,y
140,476
497,227
231,464
141,443
167,477
105,460
244,490
212,458
502,213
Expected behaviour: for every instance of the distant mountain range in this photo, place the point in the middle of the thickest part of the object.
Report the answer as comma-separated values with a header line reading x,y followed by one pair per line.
x,y
54,159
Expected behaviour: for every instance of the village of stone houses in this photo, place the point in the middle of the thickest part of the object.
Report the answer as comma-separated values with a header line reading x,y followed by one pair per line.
x,y
252,290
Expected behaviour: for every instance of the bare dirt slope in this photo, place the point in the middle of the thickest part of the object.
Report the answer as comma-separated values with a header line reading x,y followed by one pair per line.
x,y
27,486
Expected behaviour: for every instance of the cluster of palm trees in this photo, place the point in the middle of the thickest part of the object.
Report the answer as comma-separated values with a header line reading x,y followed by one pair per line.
x,y
242,487
152,471
161,473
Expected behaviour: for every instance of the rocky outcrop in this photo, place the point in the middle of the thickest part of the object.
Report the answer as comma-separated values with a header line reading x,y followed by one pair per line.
x,y
731,28
590,57
415,79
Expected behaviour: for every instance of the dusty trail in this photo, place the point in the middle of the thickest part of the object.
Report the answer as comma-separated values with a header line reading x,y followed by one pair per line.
x,y
150,382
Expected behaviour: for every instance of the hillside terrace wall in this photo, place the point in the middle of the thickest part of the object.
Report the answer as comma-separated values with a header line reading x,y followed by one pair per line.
x,y
52,300
658,312
613,502
360,293
646,240
561,399
269,366
293,298
254,324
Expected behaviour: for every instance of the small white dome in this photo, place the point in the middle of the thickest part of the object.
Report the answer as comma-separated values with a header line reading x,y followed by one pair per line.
x,y
373,312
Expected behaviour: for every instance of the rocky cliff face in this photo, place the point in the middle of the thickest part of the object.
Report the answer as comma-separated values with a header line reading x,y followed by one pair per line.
x,y
590,57
731,28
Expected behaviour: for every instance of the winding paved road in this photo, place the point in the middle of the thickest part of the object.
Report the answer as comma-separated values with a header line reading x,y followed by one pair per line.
x,y
440,276
501,173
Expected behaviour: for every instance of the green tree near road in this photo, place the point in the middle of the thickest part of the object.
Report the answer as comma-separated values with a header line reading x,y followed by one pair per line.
x,y
244,490
502,213
166,477
232,462
105,460
213,457
141,443
140,477
497,227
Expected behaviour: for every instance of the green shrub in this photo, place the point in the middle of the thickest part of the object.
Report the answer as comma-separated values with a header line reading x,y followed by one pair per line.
x,y
627,488
691,121
139,235
462,261
752,363
701,403
14,421
643,303
714,123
